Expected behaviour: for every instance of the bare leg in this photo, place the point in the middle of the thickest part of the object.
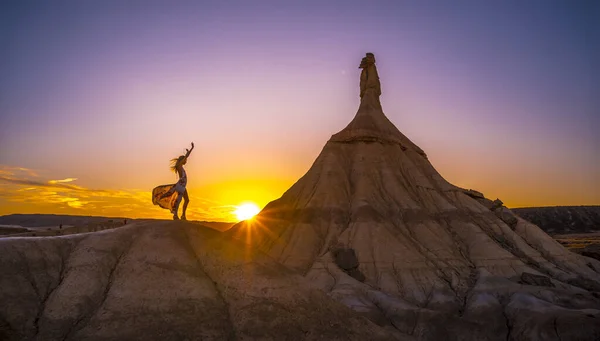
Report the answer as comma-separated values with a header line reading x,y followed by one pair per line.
x,y
186,201
176,206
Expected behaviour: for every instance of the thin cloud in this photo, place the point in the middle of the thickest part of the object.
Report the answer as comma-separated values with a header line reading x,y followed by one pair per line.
x,y
9,170
28,182
62,181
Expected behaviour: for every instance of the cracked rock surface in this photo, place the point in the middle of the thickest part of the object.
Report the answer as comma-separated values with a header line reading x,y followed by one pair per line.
x,y
161,281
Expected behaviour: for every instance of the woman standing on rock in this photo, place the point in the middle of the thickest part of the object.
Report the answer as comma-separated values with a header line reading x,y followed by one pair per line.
x,y
169,196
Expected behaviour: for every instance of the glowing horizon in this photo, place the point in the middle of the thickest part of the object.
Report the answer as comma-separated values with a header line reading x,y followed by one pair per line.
x,y
96,98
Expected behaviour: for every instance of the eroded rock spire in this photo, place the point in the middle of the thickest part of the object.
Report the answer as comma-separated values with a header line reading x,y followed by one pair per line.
x,y
370,123
369,79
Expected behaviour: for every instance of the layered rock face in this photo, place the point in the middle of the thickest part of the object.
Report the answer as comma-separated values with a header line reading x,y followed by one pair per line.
x,y
433,260
161,281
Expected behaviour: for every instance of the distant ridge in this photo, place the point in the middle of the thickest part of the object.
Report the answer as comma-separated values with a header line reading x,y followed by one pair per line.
x,y
563,219
37,220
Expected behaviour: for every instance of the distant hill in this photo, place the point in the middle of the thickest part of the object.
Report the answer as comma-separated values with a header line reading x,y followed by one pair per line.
x,y
562,219
46,220
36,220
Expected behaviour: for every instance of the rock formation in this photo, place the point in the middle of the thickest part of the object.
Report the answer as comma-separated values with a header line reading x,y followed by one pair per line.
x,y
370,244
433,260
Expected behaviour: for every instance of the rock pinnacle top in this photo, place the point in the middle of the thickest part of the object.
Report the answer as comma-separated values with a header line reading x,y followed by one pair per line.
x,y
370,123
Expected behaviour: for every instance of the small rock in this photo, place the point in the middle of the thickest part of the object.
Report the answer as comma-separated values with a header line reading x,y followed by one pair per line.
x,y
346,259
497,203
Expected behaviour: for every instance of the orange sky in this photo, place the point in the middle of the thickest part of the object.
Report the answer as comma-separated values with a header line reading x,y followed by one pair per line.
x,y
30,191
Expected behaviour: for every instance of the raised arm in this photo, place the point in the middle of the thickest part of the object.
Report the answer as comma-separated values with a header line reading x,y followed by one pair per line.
x,y
189,151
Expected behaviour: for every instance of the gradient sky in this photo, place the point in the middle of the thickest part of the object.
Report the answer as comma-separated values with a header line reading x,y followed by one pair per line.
x,y
96,97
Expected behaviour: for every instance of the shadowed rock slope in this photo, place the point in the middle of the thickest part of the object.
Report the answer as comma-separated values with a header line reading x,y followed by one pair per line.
x,y
161,281
374,225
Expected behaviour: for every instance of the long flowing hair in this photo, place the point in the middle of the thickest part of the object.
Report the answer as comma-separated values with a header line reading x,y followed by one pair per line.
x,y
176,163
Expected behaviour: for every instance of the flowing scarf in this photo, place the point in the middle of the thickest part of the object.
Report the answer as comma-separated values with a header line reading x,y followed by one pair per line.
x,y
167,202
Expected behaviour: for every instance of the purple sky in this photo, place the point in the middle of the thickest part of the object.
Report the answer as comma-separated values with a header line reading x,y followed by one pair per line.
x,y
504,96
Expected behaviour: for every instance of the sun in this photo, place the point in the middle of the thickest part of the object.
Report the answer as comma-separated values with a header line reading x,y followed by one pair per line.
x,y
246,211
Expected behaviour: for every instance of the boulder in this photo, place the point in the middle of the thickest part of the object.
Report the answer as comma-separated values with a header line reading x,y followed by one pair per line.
x,y
346,259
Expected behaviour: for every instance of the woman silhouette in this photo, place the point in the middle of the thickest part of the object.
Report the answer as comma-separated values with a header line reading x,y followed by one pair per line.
x,y
169,196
